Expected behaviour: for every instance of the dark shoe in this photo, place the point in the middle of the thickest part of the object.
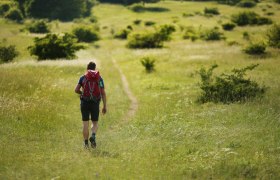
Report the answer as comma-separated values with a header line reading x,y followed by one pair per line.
x,y
86,146
92,141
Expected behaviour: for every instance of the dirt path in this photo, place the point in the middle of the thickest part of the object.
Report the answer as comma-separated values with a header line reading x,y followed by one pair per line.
x,y
134,103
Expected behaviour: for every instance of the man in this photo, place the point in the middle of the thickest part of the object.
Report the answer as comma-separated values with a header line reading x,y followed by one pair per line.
x,y
92,92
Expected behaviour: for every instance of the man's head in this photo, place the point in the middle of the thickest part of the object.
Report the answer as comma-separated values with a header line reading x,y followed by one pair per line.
x,y
91,66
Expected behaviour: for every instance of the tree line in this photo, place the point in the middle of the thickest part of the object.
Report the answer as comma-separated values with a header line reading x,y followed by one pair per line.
x,y
60,9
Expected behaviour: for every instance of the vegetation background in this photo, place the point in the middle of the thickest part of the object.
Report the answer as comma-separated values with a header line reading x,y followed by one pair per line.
x,y
171,136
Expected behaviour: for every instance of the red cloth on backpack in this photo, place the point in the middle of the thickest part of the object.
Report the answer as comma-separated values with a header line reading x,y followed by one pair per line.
x,y
90,84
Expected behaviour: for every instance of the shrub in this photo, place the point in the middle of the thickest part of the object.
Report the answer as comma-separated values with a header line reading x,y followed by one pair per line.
x,y
137,8
255,49
4,8
149,23
212,35
190,33
151,39
93,19
264,20
14,14
273,35
246,35
86,34
54,47
148,63
213,11
270,13
122,34
247,3
249,18
40,26
144,40
229,2
137,21
8,53
165,31
277,1
187,15
228,26
228,88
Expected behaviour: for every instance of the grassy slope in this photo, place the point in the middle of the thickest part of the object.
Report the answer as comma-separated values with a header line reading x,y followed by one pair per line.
x,y
171,136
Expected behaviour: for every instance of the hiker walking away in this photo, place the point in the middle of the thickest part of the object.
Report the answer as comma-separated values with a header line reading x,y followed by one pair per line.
x,y
91,94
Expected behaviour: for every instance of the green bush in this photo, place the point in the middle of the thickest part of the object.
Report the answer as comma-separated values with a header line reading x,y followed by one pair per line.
x,y
247,3
246,35
137,8
212,35
277,1
273,35
164,32
228,88
228,26
213,11
137,21
264,20
8,53
255,48
4,8
93,19
149,23
270,13
85,34
54,47
187,15
249,18
40,26
144,40
229,2
14,14
148,63
123,34
190,33
151,39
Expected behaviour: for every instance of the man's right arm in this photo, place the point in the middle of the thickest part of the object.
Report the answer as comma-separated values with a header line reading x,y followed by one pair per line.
x,y
103,96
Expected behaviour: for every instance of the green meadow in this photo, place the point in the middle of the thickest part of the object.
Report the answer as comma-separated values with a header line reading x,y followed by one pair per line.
x,y
171,135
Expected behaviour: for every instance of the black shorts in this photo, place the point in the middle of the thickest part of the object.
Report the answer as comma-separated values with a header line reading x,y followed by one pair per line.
x,y
89,108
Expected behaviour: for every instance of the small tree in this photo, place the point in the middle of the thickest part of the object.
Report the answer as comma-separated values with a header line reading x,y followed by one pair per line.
x,y
255,48
151,39
190,33
148,63
122,34
247,3
8,53
40,26
86,34
4,8
273,35
228,88
249,18
213,11
14,14
54,47
212,35
228,26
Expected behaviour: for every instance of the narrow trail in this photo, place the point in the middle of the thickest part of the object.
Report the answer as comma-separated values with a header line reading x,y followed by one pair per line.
x,y
134,103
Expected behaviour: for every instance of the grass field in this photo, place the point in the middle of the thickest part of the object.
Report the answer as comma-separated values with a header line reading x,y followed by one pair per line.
x,y
171,136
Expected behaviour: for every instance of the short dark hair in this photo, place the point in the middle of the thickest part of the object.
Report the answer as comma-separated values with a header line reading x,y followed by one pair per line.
x,y
91,65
